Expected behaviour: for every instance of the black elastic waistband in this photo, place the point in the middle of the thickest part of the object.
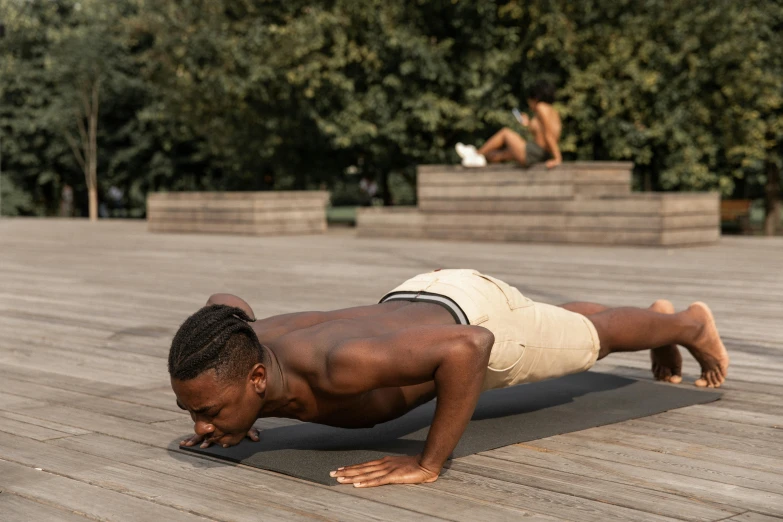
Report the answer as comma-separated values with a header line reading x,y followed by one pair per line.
x,y
427,297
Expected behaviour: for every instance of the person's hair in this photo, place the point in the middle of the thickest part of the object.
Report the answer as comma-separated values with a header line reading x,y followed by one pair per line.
x,y
216,337
542,91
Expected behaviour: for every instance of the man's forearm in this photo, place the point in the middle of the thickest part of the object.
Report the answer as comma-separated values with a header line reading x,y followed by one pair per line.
x,y
458,382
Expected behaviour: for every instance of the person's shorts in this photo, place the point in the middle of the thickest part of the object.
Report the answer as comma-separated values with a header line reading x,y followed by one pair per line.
x,y
534,153
533,341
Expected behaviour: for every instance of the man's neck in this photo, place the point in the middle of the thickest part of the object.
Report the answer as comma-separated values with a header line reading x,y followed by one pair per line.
x,y
279,398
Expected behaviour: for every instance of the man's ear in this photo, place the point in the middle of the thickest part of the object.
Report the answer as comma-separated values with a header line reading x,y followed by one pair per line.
x,y
258,378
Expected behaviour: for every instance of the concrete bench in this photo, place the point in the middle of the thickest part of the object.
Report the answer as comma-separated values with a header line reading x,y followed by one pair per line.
x,y
247,213
577,203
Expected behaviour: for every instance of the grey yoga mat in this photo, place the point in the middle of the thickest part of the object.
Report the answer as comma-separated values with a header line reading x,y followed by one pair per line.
x,y
502,417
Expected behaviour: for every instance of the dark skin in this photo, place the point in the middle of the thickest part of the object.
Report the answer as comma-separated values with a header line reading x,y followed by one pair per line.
x,y
357,367
374,375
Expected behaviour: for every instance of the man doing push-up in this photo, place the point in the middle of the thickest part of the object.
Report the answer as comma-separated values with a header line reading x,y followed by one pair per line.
x,y
449,334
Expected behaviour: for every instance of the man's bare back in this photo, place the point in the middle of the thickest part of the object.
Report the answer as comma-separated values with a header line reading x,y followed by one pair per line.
x,y
291,338
360,366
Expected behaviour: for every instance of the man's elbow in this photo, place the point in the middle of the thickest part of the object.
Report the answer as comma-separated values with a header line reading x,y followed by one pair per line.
x,y
481,341
231,300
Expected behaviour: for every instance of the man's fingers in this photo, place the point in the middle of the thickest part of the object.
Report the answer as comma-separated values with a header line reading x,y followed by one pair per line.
x,y
355,472
208,442
370,464
364,477
195,439
371,483
253,435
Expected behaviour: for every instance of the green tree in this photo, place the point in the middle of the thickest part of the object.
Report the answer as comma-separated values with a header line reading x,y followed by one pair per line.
x,y
261,94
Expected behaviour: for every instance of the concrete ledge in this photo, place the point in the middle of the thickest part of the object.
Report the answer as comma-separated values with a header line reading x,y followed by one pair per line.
x,y
248,213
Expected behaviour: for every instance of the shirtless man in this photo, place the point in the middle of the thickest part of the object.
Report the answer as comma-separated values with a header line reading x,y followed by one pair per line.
x,y
507,145
449,334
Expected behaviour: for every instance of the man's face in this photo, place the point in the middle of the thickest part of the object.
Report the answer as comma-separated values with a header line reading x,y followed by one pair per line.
x,y
222,409
532,102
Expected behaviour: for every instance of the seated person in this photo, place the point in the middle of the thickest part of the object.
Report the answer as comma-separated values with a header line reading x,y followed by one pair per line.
x,y
507,145
449,334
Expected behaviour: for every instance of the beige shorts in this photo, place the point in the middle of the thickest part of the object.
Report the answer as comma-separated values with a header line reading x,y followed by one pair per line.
x,y
533,341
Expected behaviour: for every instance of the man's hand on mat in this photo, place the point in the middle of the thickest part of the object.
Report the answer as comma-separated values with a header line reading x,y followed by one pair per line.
x,y
207,440
388,470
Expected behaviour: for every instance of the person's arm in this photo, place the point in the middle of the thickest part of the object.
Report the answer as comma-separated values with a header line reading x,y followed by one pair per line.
x,y
231,300
544,114
455,357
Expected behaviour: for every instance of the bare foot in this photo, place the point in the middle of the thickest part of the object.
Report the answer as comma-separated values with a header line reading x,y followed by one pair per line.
x,y
666,360
707,348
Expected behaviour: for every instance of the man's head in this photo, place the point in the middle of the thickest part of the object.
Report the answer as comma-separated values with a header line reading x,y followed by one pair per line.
x,y
218,372
541,91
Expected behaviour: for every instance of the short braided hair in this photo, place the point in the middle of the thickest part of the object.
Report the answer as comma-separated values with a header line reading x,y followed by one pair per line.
x,y
216,337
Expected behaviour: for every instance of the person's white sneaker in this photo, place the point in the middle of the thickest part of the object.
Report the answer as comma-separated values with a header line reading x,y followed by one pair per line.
x,y
476,160
465,151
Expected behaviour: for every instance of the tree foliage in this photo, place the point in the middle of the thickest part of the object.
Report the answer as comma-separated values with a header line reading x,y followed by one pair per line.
x,y
262,94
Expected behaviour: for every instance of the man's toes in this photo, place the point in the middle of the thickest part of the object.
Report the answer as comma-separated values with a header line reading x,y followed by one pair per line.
x,y
675,379
702,382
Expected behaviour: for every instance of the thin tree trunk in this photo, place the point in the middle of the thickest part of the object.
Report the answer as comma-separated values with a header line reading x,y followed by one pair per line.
x,y
772,198
92,195
92,175
385,190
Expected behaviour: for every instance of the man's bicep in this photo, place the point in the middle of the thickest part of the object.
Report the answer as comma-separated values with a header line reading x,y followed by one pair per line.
x,y
403,358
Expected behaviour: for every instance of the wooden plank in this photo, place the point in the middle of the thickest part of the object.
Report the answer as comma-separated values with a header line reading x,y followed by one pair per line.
x,y
62,428
240,216
503,177
568,165
20,509
726,496
515,192
317,195
237,228
118,408
519,496
660,455
266,205
55,298
590,224
689,202
750,516
494,221
81,498
599,175
140,481
160,434
687,237
630,205
594,190
605,490
405,503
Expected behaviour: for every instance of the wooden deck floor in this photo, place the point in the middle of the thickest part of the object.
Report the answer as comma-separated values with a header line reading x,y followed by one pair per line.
x,y
87,416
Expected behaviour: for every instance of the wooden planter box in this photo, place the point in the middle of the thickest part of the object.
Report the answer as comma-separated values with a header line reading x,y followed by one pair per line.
x,y
247,213
579,202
